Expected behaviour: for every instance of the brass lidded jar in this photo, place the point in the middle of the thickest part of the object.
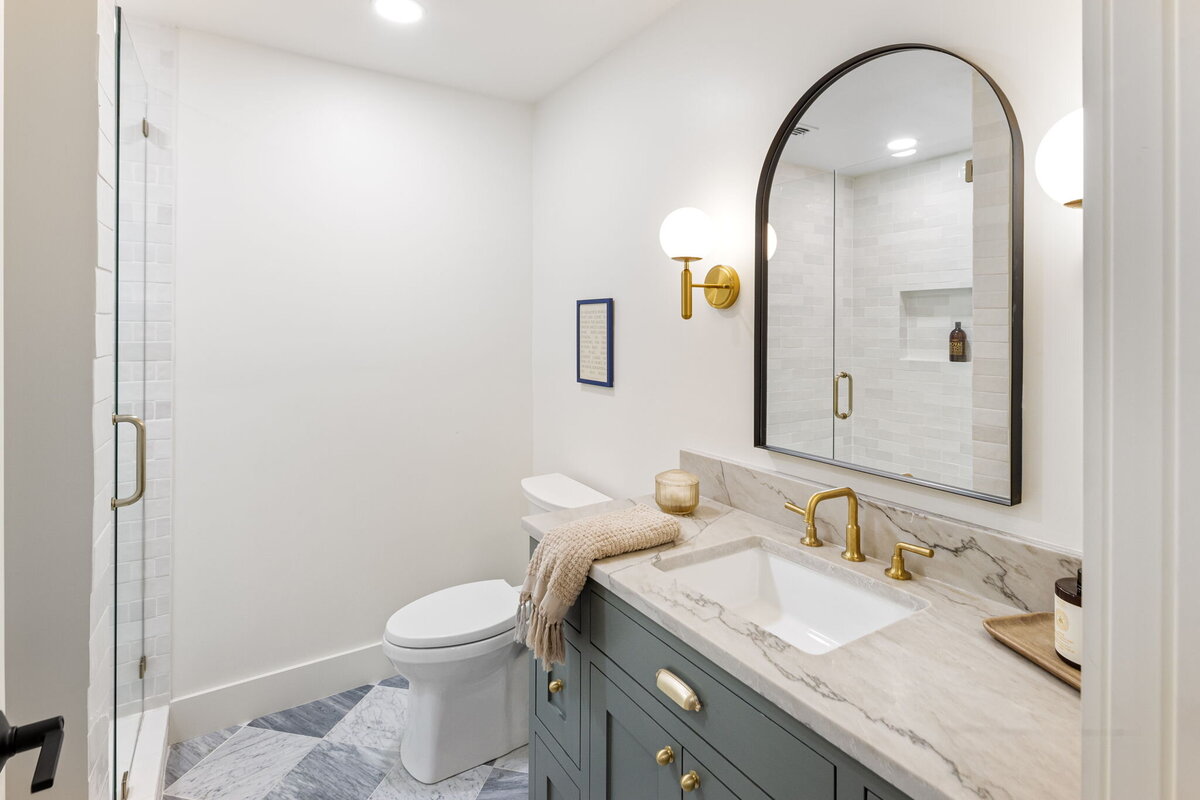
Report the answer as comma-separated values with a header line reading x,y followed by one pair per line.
x,y
676,491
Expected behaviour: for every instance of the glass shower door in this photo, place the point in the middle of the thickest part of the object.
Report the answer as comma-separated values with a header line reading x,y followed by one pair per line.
x,y
130,391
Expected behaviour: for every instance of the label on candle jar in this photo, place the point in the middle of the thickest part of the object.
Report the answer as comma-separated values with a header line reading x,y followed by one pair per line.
x,y
1068,631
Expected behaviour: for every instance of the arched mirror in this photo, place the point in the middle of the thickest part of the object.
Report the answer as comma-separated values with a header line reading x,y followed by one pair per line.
x,y
888,307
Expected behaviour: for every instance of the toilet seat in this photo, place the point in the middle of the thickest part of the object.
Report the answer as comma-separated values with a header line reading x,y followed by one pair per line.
x,y
456,616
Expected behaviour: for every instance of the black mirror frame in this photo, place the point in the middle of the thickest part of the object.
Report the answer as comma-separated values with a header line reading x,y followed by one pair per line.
x,y
1017,267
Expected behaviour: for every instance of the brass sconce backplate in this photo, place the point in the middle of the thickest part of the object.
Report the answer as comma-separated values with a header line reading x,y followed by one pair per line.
x,y
722,276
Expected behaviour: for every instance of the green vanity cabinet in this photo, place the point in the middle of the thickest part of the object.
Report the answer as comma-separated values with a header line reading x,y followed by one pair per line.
x,y
600,728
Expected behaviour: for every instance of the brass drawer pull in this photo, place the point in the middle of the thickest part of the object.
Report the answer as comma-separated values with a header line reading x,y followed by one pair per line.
x,y
690,782
556,686
684,696
665,756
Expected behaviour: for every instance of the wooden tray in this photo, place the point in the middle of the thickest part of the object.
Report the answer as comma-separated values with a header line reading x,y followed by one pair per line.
x,y
1032,635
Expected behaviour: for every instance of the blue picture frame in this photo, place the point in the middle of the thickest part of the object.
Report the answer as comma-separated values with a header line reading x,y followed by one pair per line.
x,y
607,345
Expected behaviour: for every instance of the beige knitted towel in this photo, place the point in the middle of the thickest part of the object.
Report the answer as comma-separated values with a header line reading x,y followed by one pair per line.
x,y
560,565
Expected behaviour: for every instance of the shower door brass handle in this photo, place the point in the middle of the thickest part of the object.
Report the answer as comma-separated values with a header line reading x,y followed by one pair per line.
x,y
837,399
139,488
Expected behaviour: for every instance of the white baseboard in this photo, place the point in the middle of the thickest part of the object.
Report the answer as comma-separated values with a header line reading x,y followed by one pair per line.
x,y
237,703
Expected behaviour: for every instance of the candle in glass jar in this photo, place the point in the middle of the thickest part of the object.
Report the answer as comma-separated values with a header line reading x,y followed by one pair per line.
x,y
676,491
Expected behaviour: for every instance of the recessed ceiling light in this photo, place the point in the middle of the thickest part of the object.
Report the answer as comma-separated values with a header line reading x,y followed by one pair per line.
x,y
905,153
405,12
901,144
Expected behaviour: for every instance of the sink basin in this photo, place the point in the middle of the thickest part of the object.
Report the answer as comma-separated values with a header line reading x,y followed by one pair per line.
x,y
805,601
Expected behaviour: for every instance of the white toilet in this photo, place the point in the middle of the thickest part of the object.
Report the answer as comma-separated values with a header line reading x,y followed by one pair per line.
x,y
468,680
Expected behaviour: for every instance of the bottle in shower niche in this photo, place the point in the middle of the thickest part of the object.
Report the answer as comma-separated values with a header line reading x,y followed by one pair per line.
x,y
958,343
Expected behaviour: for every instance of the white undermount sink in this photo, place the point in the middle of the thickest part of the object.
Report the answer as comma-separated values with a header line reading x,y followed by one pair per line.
x,y
814,606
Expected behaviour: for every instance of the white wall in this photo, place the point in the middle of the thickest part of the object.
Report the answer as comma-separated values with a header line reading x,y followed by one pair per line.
x,y
353,385
1141,726
683,115
50,364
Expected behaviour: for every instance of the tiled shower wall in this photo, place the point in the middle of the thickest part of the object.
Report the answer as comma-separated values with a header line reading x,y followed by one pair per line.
x,y
149,566
800,312
911,280
148,277
100,667
884,315
991,343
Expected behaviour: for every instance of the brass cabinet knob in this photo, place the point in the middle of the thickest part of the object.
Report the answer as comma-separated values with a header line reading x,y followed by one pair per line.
x,y
690,782
897,570
665,756
556,686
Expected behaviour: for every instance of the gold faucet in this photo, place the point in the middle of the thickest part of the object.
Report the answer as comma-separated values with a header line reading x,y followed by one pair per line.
x,y
853,551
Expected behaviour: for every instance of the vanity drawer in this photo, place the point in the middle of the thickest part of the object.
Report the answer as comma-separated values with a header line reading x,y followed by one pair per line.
x,y
782,765
560,711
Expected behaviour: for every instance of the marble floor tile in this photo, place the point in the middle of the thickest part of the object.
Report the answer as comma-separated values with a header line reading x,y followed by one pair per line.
x,y
334,771
516,761
187,754
244,767
313,719
376,721
503,784
399,785
395,682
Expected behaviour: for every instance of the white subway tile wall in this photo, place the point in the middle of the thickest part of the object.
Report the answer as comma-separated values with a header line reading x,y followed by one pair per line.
x,y
100,669
991,350
145,382
911,280
883,315
142,576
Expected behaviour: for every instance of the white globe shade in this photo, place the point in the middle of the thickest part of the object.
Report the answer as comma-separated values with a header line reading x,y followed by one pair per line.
x,y
1059,160
686,234
772,241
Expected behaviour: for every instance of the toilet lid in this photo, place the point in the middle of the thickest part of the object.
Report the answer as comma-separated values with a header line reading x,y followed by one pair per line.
x,y
470,612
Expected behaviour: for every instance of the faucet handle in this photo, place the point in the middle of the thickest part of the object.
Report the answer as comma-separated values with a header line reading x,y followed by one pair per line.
x,y
810,529
897,570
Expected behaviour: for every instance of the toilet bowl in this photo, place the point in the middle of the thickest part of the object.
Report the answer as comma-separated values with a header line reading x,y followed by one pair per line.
x,y
468,680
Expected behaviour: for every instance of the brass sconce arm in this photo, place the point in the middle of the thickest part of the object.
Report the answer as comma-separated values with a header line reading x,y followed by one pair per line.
x,y
721,286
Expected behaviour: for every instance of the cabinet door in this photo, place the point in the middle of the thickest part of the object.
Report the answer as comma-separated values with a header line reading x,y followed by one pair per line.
x,y
707,787
625,746
549,781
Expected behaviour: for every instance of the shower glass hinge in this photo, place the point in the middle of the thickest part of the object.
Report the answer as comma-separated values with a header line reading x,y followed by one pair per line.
x,y
969,170
141,667
145,127
125,786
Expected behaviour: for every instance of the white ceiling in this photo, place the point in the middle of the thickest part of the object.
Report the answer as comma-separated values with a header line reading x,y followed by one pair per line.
x,y
517,49
919,94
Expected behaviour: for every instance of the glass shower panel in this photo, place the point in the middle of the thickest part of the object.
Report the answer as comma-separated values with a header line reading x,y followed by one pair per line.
x,y
131,366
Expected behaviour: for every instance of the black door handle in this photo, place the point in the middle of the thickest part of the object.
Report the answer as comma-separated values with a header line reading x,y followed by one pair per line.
x,y
46,735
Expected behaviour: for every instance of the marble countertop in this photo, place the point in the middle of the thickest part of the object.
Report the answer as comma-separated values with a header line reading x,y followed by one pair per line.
x,y
930,703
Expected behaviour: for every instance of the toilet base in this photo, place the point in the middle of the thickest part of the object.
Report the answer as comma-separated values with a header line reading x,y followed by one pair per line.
x,y
462,712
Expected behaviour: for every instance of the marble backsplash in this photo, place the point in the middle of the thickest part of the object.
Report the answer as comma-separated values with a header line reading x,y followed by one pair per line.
x,y
981,561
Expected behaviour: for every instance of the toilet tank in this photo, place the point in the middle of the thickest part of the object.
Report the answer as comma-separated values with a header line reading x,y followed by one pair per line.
x,y
556,491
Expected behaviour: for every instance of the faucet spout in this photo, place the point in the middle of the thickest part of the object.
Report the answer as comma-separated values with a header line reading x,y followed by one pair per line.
x,y
853,551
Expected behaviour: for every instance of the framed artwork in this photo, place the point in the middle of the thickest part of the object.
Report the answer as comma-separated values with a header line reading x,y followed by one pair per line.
x,y
594,342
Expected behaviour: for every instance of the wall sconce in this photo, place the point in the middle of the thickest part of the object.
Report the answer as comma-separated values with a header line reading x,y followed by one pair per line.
x,y
1059,160
686,236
